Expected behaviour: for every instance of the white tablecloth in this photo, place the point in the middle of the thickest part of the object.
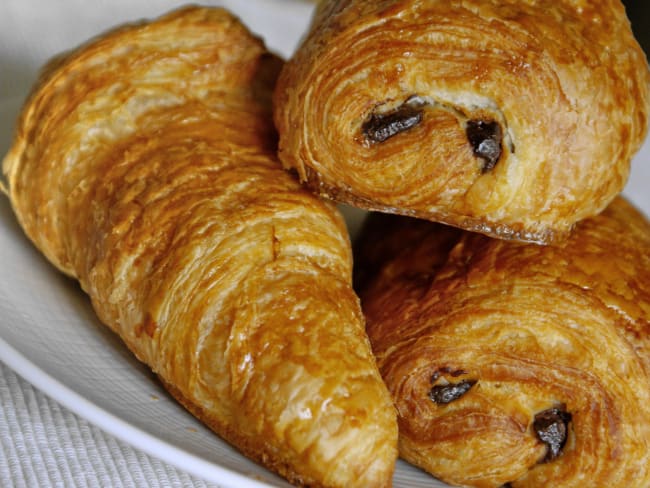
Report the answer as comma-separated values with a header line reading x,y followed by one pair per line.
x,y
46,445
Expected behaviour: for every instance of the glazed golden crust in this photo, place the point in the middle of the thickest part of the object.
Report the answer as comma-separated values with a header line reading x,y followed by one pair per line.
x,y
524,329
564,81
144,166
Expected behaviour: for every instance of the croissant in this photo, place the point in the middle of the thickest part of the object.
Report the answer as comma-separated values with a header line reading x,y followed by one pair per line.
x,y
144,166
515,119
513,364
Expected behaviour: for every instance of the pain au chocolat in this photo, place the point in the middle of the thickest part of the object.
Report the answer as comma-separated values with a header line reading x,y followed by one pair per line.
x,y
513,364
144,166
516,119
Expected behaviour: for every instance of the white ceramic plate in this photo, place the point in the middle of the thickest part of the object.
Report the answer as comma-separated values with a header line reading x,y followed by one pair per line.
x,y
48,331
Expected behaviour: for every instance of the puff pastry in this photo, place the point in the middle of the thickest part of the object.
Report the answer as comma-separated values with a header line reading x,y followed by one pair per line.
x,y
511,118
144,166
513,364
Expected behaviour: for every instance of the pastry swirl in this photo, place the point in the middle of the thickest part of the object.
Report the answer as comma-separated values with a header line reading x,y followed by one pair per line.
x,y
511,118
144,166
515,364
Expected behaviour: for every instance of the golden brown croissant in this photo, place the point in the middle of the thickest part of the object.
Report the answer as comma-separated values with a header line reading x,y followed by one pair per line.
x,y
511,118
144,166
515,364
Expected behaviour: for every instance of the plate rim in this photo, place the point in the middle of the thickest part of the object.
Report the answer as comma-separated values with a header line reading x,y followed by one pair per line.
x,y
121,429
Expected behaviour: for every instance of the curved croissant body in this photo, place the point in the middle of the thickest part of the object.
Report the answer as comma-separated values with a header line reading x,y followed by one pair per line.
x,y
515,363
144,166
511,118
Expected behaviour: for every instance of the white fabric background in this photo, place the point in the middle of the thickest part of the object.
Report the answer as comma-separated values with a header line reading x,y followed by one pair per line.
x,y
46,445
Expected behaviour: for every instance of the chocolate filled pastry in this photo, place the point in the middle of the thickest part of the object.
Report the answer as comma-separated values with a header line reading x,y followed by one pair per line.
x,y
513,364
515,119
144,166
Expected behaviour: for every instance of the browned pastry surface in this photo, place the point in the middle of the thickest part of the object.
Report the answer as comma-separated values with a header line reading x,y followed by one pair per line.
x,y
144,166
508,117
510,362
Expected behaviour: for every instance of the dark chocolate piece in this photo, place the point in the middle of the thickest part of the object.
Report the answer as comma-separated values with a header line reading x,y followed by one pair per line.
x,y
485,138
551,427
380,127
444,394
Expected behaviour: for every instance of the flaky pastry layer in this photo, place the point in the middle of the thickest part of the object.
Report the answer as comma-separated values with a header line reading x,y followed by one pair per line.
x,y
516,119
510,362
144,166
